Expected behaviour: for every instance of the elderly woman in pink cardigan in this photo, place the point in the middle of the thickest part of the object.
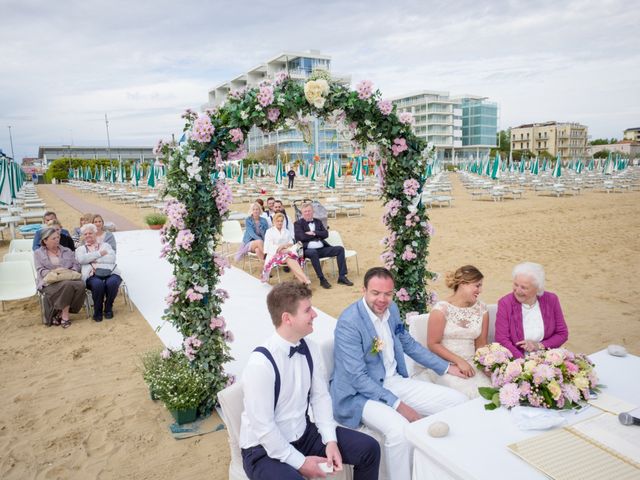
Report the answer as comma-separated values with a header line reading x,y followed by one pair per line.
x,y
529,318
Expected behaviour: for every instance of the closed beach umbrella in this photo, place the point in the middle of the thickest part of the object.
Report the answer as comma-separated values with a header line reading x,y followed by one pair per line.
x,y
241,174
495,171
359,171
151,178
535,166
579,166
339,163
330,179
278,170
592,165
313,172
5,189
557,169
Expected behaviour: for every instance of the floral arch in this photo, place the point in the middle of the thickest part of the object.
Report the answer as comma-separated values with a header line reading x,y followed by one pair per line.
x,y
195,217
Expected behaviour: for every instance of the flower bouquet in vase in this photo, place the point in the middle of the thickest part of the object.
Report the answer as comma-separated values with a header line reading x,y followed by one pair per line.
x,y
556,378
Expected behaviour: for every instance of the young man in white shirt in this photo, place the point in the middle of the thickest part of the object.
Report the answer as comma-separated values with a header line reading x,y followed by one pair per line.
x,y
281,380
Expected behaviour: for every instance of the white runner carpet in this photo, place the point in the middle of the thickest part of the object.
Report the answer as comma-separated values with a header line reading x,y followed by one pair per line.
x,y
245,312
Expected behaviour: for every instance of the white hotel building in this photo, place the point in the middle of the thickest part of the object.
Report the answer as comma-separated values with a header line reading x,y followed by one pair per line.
x,y
459,127
299,65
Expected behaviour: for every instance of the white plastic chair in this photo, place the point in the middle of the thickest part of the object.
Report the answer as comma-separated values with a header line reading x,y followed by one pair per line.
x,y
21,245
231,233
21,257
334,239
16,281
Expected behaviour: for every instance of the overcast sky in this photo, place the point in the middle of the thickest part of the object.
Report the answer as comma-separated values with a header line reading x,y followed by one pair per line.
x,y
67,63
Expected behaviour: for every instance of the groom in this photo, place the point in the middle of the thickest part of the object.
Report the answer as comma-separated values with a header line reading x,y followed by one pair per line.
x,y
282,379
370,381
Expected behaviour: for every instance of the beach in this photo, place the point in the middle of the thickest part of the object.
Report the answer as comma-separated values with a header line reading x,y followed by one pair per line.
x,y
76,406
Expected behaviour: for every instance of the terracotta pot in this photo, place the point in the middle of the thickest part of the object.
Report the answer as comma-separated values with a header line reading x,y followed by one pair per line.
x,y
155,227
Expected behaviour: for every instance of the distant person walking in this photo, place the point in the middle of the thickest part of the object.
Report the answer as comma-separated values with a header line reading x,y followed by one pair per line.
x,y
292,175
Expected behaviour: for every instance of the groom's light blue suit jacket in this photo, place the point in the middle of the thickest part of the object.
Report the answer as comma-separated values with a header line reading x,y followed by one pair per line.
x,y
358,374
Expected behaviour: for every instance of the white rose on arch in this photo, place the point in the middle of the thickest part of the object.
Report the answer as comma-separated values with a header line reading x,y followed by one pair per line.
x,y
315,91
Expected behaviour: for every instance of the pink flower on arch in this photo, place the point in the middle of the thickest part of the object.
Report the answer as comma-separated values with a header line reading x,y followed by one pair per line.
x,y
406,118
399,146
217,322
265,95
364,89
385,107
202,129
273,114
184,239
236,135
411,187
402,295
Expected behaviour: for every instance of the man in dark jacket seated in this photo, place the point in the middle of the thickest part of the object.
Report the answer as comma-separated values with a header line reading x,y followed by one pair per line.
x,y
312,234
45,220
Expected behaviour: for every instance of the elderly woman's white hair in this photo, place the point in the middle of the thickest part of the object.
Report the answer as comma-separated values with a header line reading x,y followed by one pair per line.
x,y
88,227
533,270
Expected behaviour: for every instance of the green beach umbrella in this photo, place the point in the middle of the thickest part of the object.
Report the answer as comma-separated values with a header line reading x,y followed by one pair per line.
x,y
557,169
300,169
313,173
330,179
5,188
340,167
592,165
521,165
359,173
306,170
535,166
278,178
579,166
241,174
495,171
151,178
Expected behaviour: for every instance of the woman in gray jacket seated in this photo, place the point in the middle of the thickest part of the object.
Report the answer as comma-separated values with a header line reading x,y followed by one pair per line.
x,y
98,262
62,296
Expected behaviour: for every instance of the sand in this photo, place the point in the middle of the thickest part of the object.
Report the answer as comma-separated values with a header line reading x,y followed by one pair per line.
x,y
75,405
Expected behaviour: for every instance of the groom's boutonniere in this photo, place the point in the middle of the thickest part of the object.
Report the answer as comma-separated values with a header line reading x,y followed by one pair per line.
x,y
376,346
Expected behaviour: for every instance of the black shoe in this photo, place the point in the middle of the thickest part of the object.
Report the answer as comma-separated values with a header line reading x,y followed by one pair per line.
x,y
97,318
345,281
324,283
286,269
108,315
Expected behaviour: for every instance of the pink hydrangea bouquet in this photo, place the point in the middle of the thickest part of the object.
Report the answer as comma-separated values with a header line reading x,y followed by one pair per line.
x,y
556,378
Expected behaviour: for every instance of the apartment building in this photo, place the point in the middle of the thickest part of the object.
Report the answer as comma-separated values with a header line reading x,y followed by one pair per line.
x,y
569,140
632,134
325,139
459,127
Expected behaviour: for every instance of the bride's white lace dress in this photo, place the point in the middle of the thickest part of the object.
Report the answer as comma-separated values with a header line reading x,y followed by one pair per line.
x,y
463,325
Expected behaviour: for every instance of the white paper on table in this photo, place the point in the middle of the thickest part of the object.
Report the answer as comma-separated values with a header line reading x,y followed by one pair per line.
x,y
606,430
531,418
611,404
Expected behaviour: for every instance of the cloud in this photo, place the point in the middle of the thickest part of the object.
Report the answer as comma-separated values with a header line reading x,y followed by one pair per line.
x,y
67,64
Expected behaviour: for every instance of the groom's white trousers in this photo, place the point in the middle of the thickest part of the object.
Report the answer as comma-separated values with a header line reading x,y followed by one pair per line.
x,y
425,398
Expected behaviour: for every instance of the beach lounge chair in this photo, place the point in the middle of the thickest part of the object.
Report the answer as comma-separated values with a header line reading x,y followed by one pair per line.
x,y
231,233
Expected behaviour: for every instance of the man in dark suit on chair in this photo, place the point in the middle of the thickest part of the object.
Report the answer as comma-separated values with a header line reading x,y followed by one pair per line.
x,y
312,234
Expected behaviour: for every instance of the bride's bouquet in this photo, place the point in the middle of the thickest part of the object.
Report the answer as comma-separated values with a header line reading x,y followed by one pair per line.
x,y
556,378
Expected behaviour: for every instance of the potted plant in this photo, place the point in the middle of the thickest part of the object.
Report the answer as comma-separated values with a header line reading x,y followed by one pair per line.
x,y
177,384
155,220
151,366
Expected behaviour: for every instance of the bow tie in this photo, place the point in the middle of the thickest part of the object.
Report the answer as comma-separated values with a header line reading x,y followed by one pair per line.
x,y
301,348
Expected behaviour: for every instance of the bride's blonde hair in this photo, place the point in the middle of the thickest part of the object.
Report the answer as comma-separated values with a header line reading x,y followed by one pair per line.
x,y
464,274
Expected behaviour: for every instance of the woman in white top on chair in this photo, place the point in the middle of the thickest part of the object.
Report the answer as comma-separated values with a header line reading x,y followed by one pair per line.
x,y
278,251
457,327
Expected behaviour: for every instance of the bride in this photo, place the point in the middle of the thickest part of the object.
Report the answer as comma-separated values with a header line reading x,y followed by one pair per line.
x,y
457,327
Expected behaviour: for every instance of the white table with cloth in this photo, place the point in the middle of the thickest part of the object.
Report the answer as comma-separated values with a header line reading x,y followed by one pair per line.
x,y
476,447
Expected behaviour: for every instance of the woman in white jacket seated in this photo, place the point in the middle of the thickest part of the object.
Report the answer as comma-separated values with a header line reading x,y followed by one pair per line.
x,y
98,268
278,250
